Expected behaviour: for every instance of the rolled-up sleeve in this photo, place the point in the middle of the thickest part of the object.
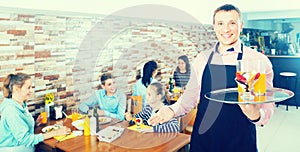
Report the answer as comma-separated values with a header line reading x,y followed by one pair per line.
x,y
267,109
90,102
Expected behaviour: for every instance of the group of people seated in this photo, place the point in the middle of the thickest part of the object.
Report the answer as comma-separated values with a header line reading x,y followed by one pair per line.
x,y
112,102
18,124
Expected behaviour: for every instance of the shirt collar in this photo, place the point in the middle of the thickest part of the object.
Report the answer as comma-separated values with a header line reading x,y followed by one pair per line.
x,y
104,94
235,49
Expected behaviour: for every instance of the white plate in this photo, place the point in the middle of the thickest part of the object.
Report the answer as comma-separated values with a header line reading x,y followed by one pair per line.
x,y
78,124
50,128
104,120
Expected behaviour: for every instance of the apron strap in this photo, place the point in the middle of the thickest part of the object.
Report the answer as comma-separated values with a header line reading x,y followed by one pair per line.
x,y
239,57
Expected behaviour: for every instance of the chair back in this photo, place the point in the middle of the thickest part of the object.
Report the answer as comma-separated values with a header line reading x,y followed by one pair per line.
x,y
136,104
188,119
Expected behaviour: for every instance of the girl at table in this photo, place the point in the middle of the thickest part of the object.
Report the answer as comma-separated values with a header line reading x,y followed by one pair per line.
x,y
17,124
182,73
156,99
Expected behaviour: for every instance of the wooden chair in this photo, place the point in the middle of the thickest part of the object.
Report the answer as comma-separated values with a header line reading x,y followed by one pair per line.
x,y
136,104
187,121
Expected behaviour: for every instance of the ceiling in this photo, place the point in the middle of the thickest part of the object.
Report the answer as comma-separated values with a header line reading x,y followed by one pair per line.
x,y
201,10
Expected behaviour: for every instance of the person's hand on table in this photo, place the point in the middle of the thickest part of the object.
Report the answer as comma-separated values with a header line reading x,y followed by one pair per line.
x,y
100,112
62,131
251,110
59,132
163,115
127,116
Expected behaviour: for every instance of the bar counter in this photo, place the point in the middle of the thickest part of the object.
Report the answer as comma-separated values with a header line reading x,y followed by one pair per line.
x,y
286,63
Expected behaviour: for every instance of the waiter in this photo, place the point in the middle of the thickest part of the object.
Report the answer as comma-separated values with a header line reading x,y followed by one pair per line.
x,y
219,126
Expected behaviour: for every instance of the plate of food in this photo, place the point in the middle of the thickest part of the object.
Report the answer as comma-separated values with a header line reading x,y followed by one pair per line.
x,y
78,124
104,120
51,128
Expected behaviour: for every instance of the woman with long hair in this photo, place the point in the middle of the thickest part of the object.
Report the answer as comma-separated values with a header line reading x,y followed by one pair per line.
x,y
149,73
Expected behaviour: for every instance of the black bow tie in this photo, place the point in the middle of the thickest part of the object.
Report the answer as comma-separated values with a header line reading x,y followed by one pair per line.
x,y
230,50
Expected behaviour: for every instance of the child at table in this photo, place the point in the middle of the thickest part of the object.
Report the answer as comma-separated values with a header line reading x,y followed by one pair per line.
x,y
156,99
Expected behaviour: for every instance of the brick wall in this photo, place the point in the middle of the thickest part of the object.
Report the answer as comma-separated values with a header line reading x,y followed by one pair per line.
x,y
66,54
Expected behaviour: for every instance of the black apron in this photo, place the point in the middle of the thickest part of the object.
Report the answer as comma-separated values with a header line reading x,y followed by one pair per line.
x,y
221,127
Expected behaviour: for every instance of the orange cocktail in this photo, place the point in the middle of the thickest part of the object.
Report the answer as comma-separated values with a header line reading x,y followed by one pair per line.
x,y
44,117
260,85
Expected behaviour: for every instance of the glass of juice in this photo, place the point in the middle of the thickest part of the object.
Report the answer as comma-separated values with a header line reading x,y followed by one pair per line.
x,y
260,85
247,76
44,117
75,113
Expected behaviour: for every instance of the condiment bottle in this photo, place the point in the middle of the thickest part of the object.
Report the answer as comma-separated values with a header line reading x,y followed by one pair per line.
x,y
86,128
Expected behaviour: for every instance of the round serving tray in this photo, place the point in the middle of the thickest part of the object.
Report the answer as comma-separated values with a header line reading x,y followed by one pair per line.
x,y
231,96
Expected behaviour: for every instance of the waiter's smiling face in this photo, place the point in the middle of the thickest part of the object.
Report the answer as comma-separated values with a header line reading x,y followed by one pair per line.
x,y
227,26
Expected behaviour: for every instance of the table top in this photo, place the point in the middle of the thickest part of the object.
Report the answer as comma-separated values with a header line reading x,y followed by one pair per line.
x,y
128,141
231,96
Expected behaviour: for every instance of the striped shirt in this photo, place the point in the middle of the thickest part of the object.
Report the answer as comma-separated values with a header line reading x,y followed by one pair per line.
x,y
181,79
170,126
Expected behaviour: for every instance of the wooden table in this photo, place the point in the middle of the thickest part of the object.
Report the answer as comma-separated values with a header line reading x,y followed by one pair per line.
x,y
129,141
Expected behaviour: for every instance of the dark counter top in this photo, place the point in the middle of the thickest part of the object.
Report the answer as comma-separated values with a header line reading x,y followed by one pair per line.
x,y
284,56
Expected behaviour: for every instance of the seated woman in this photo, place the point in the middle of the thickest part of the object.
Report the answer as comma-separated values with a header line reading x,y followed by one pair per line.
x,y
17,124
149,74
112,102
182,73
156,99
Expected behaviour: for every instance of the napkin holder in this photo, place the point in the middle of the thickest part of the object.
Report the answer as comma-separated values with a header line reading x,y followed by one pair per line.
x,y
56,111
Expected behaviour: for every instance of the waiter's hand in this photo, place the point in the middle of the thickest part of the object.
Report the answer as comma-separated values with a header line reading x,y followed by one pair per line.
x,y
163,115
251,110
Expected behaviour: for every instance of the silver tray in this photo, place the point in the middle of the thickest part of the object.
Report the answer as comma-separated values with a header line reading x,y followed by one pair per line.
x,y
230,95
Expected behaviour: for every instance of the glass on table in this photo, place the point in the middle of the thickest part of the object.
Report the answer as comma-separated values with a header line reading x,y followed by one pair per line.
x,y
251,78
138,122
44,117
177,93
75,113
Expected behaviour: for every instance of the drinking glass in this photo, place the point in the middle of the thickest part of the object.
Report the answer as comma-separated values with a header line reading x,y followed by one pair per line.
x,y
260,85
44,119
139,122
75,113
248,72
